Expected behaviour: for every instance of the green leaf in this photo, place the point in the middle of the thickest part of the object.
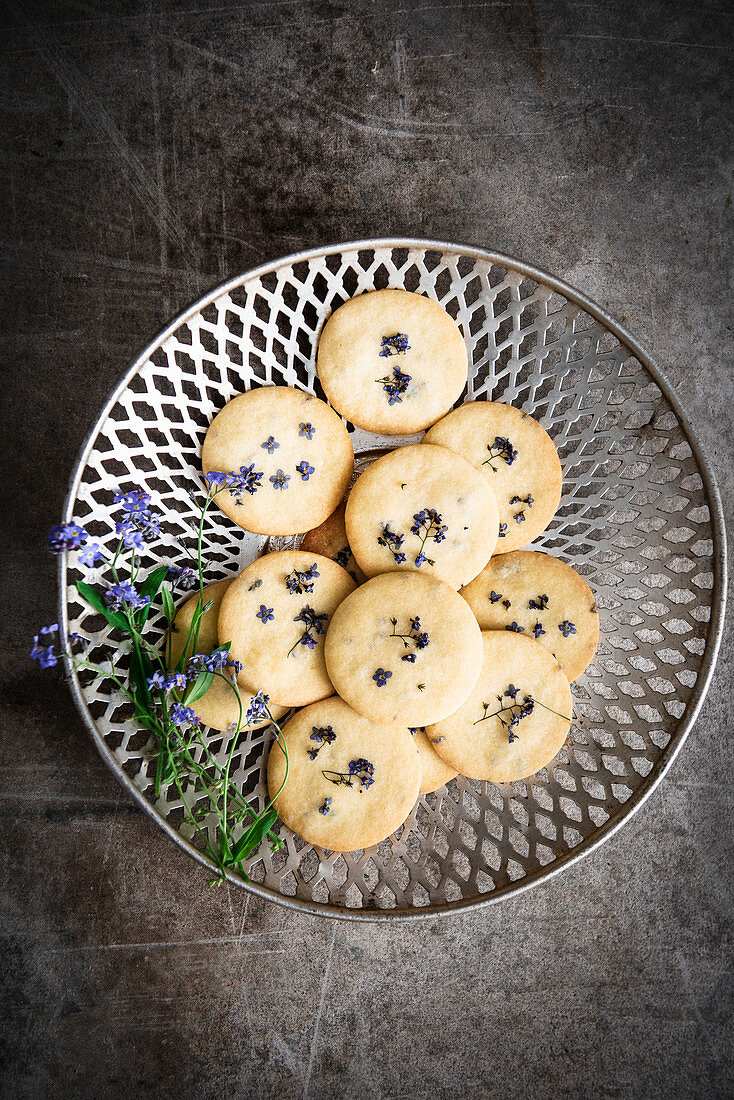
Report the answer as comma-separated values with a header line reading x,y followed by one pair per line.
x,y
93,597
169,609
253,838
149,587
153,581
201,685
140,670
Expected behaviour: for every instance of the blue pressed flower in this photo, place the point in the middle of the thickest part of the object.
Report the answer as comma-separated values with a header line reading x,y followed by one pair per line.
x,y
312,619
364,771
299,581
427,524
265,614
181,715
502,531
394,345
395,385
393,541
516,628
381,676
307,430
538,630
304,470
540,604
507,604
519,517
500,450
280,480
270,445
494,596
409,657
124,595
246,481
420,637
258,709
325,807
509,715
566,628
307,639
323,734
66,536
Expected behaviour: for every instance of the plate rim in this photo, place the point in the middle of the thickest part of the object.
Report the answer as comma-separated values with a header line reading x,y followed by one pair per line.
x,y
627,810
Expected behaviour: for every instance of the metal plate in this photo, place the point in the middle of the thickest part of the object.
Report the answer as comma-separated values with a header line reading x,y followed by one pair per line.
x,y
640,519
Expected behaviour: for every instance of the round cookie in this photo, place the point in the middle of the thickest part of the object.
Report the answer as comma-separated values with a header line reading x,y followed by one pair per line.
x,y
404,649
425,508
516,670
330,539
291,455
435,772
352,782
275,613
545,598
218,707
518,459
392,361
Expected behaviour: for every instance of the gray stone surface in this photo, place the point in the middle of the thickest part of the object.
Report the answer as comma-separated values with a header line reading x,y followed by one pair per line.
x,y
151,150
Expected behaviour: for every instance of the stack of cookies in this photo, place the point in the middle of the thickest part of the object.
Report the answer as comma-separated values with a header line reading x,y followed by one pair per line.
x,y
414,635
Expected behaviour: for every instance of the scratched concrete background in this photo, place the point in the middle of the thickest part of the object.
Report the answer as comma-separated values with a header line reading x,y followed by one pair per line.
x,y
153,149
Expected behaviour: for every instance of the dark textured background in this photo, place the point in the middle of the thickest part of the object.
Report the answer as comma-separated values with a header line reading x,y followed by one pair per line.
x,y
151,151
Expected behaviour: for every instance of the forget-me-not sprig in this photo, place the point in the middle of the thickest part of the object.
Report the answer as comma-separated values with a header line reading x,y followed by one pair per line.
x,y
185,576
313,621
427,524
246,481
125,595
182,716
136,515
257,710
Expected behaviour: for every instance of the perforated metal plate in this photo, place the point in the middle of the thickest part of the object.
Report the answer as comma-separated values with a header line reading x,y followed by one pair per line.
x,y
640,519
